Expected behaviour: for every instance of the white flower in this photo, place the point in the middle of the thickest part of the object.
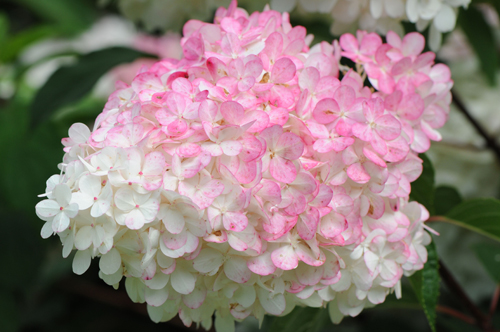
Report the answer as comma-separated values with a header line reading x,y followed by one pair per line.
x,y
57,212
134,209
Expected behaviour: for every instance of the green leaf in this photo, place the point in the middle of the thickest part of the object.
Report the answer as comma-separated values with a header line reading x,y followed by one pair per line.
x,y
4,28
301,319
70,83
15,44
70,16
426,285
480,36
481,215
489,256
445,198
422,189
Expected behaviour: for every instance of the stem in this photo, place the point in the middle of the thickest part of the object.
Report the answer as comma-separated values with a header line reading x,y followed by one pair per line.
x,y
481,320
437,218
456,314
494,302
490,142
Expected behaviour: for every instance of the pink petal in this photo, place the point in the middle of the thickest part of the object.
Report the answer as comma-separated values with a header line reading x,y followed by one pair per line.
x,y
234,221
326,111
262,265
283,71
289,146
285,258
357,173
413,44
388,127
282,170
232,112
308,223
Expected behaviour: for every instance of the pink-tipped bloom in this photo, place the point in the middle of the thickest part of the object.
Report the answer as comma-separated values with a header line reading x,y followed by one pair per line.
x,y
247,178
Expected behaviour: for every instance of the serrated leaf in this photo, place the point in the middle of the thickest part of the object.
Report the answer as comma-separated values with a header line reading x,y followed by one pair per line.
x,y
70,83
426,285
445,198
422,189
489,256
301,319
480,36
481,215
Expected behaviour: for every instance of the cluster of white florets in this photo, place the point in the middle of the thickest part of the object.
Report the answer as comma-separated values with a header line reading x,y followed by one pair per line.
x,y
247,178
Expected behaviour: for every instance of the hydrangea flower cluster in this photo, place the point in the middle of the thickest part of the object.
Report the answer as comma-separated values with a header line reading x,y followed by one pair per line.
x,y
256,174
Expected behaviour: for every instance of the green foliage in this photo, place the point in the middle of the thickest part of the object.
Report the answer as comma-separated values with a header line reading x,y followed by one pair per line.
x,y
481,215
489,256
301,319
13,45
70,17
426,285
422,189
60,89
445,198
480,36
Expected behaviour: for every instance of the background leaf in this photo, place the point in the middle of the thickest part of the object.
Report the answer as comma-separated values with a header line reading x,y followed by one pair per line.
x,y
422,189
60,89
480,36
301,319
69,16
489,256
481,215
426,285
445,198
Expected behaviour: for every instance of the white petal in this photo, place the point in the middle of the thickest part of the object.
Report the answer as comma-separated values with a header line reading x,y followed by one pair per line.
x,y
376,8
90,185
275,305
208,260
445,19
47,208
79,133
47,230
84,237
224,323
159,281
283,5
156,297
62,194
135,289
111,262
195,299
182,281
237,270
81,262
245,295
134,219
83,200
99,208
124,199
435,38
173,220
71,210
60,223
155,313
112,279
150,209
68,243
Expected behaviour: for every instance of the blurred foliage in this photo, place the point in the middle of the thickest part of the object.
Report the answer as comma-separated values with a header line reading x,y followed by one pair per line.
x,y
38,291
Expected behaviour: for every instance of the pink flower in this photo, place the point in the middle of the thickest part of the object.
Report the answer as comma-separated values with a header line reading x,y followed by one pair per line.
x,y
246,177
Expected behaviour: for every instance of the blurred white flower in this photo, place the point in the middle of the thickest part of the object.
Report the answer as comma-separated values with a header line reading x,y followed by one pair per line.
x,y
384,15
